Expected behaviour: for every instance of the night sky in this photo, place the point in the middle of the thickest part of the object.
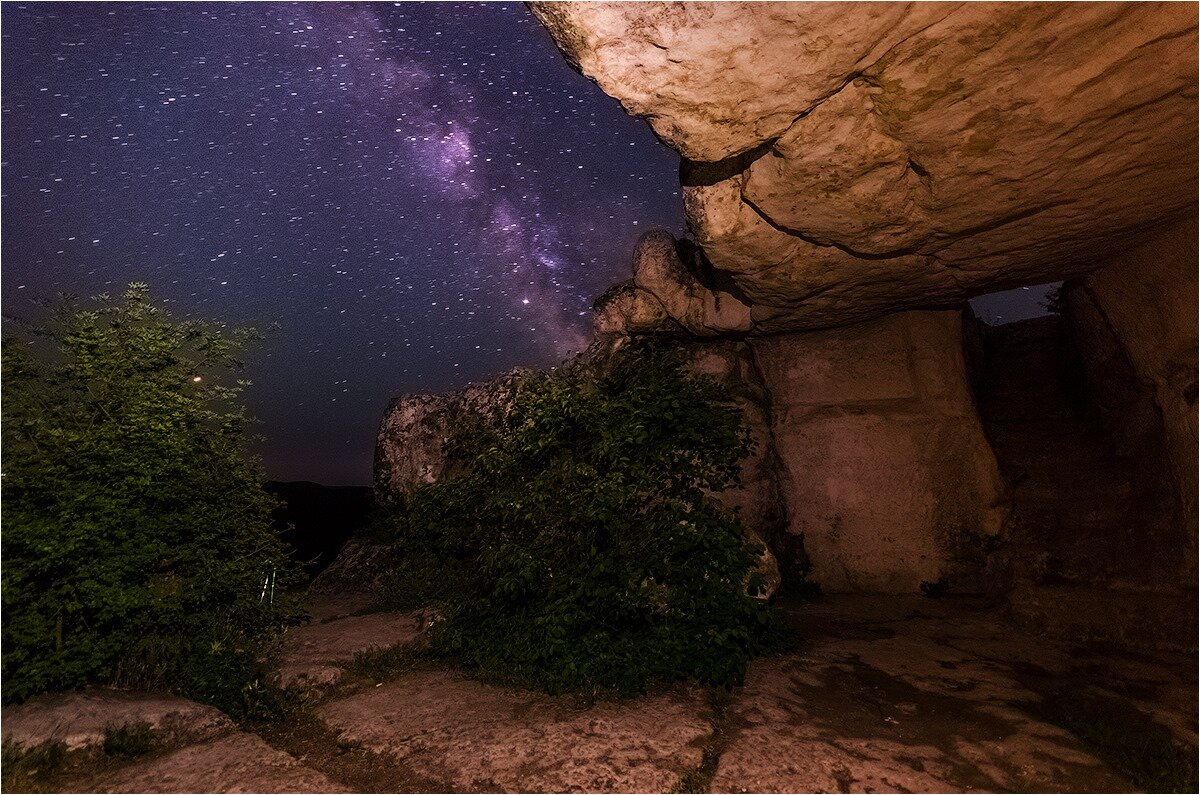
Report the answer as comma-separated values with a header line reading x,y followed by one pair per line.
x,y
409,197
413,196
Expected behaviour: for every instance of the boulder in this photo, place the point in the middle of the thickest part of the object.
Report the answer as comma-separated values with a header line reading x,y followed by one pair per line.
x,y
659,271
624,308
410,448
360,570
844,161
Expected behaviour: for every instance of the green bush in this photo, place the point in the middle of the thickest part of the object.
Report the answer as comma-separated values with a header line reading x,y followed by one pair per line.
x,y
575,546
137,536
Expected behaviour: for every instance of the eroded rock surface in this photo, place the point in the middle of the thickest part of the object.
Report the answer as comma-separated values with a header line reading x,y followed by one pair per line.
x,y
238,762
479,737
885,693
843,161
933,696
659,271
353,580
410,447
189,747
79,719
316,654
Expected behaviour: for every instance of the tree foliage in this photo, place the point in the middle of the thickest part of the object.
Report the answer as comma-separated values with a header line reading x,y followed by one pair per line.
x,y
137,536
575,545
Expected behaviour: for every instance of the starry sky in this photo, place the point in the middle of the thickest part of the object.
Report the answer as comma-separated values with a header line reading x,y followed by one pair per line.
x,y
408,196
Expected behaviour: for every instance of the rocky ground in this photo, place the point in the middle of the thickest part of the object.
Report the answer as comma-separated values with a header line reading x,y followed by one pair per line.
x,y
881,694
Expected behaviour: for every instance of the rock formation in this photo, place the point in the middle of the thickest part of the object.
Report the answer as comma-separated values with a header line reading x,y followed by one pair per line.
x,y
1135,321
885,470
411,445
412,449
870,456
844,164
852,174
844,161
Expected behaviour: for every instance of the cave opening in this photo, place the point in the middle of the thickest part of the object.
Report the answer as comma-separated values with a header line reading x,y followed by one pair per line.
x,y
1094,544
1017,304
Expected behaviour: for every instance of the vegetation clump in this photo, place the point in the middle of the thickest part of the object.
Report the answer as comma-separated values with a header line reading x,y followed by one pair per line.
x,y
128,741
29,769
138,546
575,545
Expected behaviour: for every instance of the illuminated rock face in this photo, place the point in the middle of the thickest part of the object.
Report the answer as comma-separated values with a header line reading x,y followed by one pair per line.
x,y
883,465
843,161
410,448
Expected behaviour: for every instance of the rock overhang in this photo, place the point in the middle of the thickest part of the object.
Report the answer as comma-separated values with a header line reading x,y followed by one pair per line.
x,y
843,161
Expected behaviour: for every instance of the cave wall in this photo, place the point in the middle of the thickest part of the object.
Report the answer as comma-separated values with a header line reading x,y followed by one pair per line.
x,y
871,464
1134,323
884,468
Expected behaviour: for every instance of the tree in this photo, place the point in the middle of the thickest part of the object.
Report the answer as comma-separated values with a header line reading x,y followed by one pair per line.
x,y
137,536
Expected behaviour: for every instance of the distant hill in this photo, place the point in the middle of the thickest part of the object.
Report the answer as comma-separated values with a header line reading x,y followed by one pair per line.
x,y
317,520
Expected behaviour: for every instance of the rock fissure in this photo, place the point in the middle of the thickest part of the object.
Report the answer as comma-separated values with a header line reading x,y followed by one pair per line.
x,y
807,237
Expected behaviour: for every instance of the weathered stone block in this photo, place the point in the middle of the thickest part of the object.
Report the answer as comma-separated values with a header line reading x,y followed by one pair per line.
x,y
884,469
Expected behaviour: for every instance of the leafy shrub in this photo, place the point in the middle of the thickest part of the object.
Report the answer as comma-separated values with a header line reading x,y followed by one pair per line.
x,y
137,536
575,545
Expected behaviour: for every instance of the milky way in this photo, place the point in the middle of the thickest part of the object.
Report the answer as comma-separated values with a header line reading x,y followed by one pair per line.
x,y
409,197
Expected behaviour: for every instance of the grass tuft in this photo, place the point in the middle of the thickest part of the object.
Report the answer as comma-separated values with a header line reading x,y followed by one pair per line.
x,y
23,770
128,741
385,665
